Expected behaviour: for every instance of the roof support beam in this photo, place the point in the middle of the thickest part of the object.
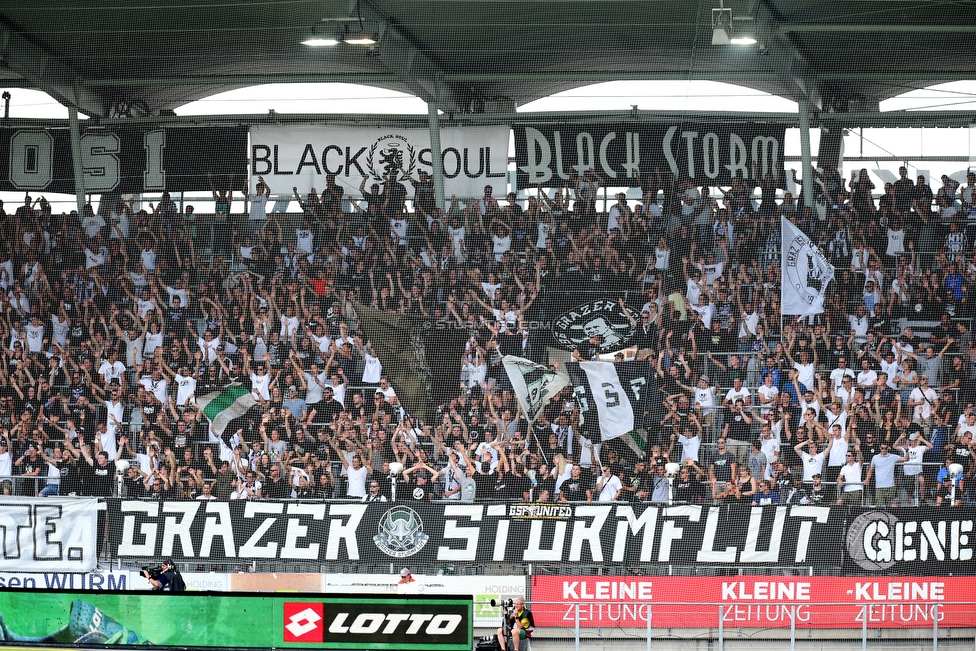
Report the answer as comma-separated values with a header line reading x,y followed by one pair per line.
x,y
399,51
47,73
785,58
870,29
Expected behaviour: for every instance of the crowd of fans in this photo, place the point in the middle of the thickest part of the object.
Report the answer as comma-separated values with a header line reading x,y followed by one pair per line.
x,y
116,321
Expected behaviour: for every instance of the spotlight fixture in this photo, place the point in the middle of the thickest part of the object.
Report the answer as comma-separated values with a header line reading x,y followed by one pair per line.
x,y
721,26
320,42
321,38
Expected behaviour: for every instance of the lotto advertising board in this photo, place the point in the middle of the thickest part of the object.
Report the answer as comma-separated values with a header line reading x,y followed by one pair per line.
x,y
223,620
753,602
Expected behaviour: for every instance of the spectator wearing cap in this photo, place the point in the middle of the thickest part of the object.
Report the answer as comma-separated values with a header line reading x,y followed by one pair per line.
x,y
407,584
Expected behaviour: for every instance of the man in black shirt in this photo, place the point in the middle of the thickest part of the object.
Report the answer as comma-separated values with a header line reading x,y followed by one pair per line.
x,y
276,487
99,475
687,489
134,488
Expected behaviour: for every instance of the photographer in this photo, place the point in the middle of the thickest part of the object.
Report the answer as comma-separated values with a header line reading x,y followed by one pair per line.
x,y
166,578
518,625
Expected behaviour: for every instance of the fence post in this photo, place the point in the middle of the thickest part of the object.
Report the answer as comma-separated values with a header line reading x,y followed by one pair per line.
x,y
793,628
721,628
935,627
576,617
649,627
864,627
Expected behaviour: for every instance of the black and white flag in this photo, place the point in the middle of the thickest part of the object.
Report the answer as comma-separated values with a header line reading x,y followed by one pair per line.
x,y
805,273
610,396
534,384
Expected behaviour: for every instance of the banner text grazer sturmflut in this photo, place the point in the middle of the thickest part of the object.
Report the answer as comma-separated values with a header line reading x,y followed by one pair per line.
x,y
422,533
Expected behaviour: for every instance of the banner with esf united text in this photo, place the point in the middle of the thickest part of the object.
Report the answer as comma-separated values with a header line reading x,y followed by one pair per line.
x,y
423,533
301,157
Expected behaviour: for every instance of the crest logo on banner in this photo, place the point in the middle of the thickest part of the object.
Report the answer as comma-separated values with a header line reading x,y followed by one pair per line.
x,y
401,533
806,273
388,154
601,317
871,540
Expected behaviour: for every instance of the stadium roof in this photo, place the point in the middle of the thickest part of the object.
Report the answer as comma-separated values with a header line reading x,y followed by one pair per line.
x,y
115,58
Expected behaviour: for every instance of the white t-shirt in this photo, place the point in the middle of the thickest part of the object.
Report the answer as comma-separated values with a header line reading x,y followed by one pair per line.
x,y
259,206
372,370
689,447
805,373
923,410
187,385
259,386
851,473
610,489
812,464
357,481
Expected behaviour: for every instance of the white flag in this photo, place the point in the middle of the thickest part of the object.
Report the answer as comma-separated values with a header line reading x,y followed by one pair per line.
x,y
613,407
805,273
534,384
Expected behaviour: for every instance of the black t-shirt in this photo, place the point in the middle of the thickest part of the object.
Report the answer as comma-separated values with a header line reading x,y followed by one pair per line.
x,y
575,489
279,490
722,464
70,478
687,491
783,484
98,479
134,488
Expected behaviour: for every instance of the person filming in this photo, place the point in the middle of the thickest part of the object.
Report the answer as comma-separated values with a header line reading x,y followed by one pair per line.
x,y
518,626
168,579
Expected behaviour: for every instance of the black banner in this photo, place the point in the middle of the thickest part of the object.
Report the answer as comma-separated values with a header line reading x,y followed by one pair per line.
x,y
421,356
912,541
425,533
123,160
711,154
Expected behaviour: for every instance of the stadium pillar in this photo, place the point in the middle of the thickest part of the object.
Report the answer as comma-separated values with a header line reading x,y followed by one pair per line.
x,y
435,155
76,159
808,198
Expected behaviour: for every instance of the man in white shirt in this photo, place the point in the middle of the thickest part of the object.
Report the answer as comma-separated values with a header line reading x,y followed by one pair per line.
x,y
867,378
840,372
923,399
608,485
737,392
111,369
849,484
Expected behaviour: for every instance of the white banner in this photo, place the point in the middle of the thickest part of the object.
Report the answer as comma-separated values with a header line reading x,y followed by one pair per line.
x,y
613,406
805,273
301,157
534,384
482,588
48,534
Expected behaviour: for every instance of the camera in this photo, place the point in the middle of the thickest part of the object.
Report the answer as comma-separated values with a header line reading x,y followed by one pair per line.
x,y
154,571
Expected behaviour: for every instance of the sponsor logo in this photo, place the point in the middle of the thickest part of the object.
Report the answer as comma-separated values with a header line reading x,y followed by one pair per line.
x,y
395,623
602,317
401,533
303,621
540,511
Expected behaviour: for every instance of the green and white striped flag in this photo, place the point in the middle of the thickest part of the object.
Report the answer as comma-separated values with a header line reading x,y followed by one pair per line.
x,y
221,407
